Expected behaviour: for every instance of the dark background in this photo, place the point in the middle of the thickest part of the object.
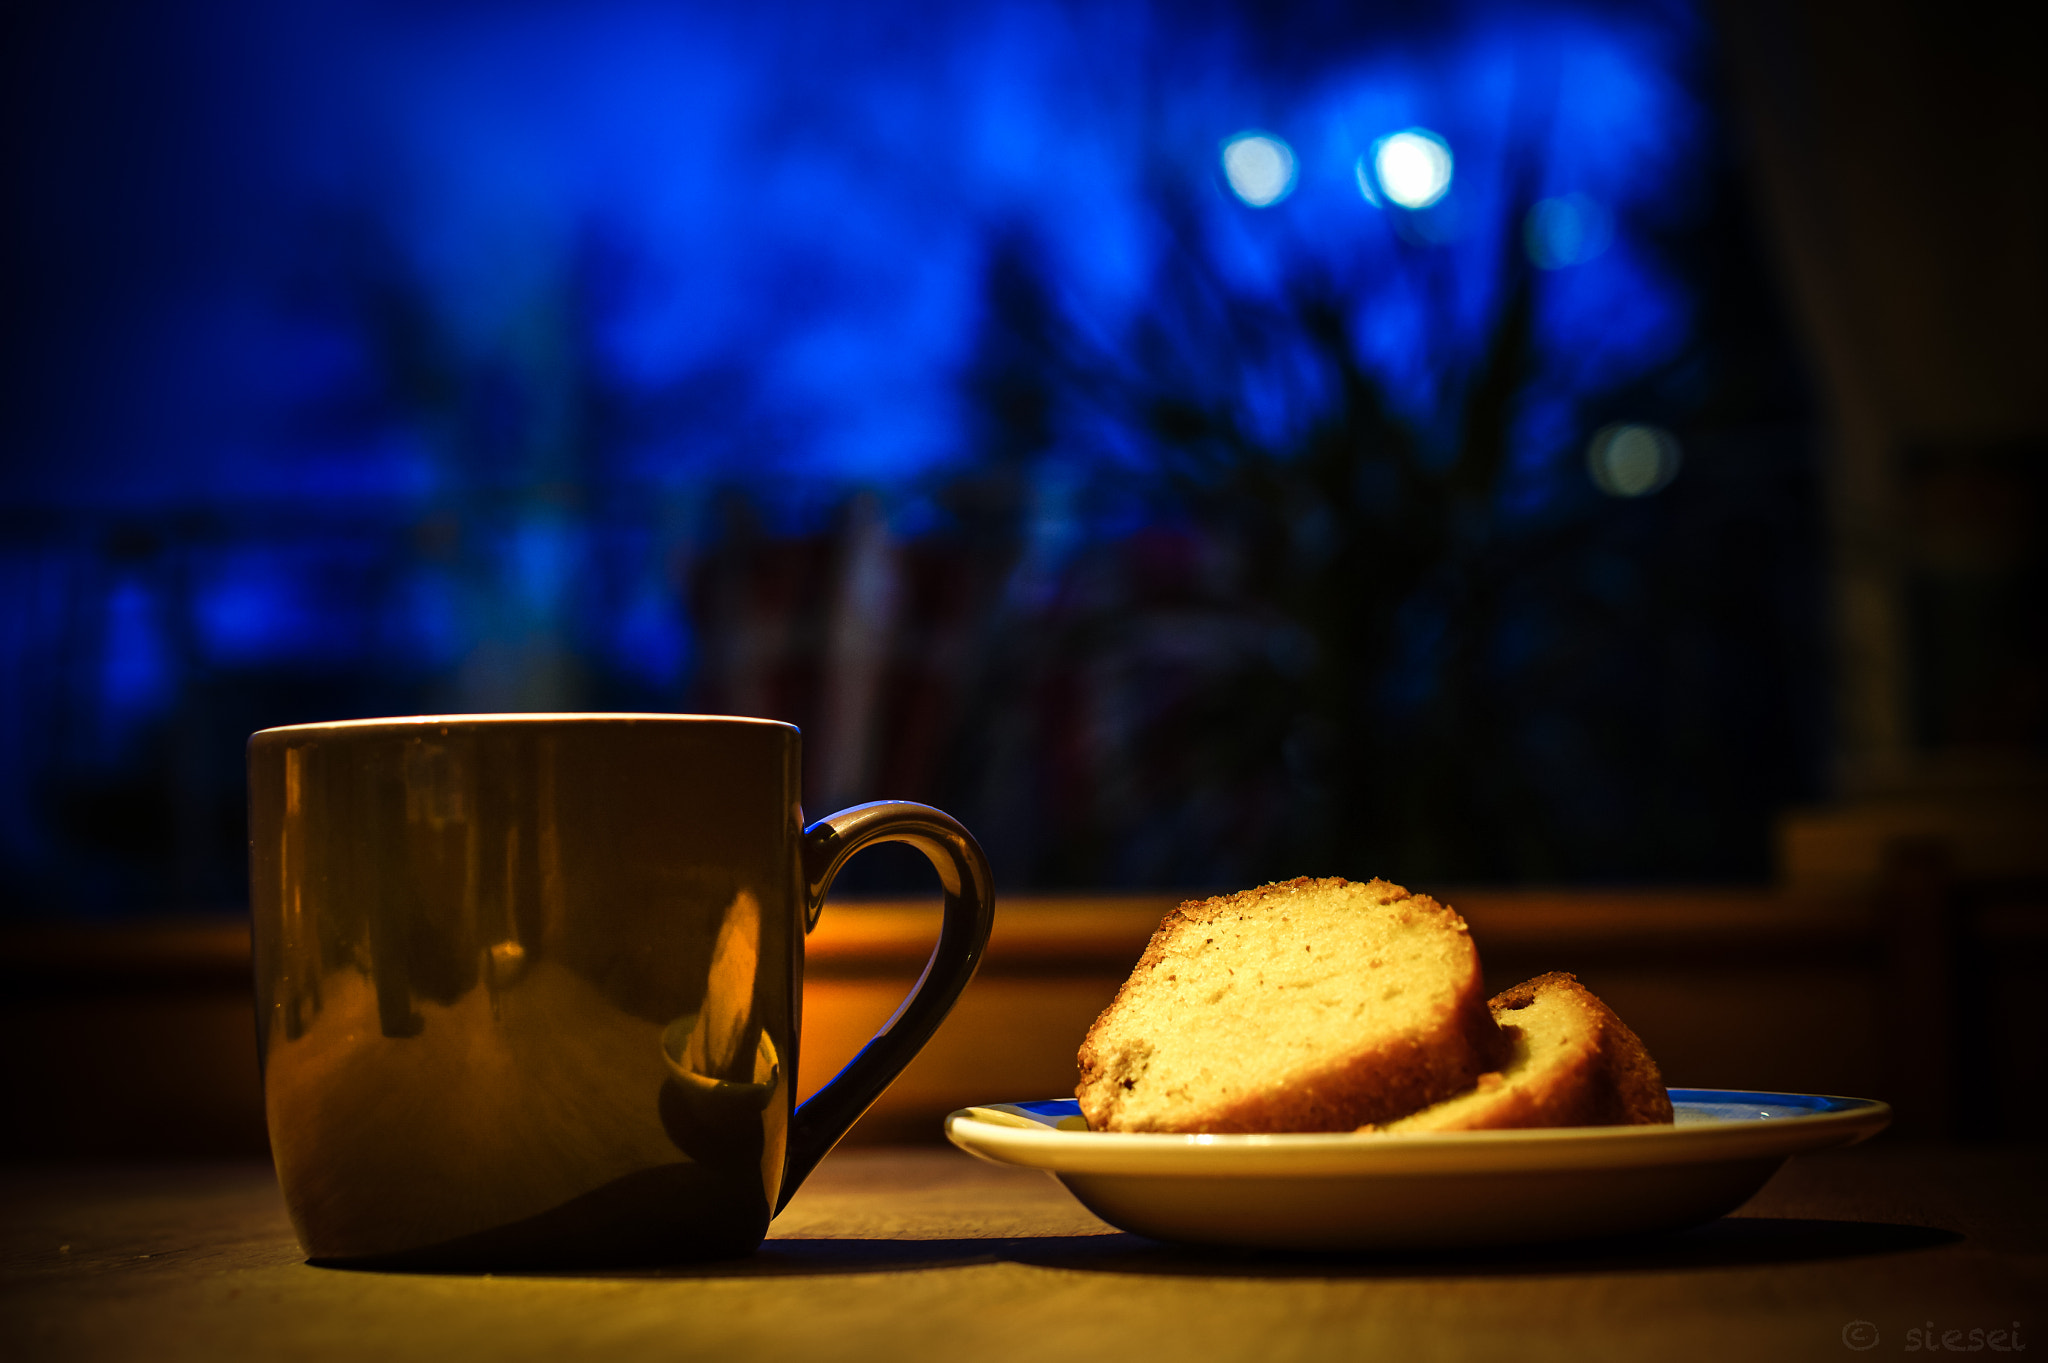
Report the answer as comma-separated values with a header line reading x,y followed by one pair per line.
x,y
918,377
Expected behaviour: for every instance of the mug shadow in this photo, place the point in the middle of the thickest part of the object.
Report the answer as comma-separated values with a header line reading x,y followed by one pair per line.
x,y
1733,1242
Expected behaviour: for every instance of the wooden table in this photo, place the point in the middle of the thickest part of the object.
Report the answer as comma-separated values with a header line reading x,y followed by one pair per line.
x,y
910,1254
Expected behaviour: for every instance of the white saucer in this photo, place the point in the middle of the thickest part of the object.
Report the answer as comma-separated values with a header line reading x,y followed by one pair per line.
x,y
1468,1188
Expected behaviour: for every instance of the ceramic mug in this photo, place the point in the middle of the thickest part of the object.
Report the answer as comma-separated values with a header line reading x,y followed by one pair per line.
x,y
528,987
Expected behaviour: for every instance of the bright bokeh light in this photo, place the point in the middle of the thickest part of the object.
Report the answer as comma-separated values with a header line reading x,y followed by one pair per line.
x,y
1413,167
1260,168
1629,460
1566,231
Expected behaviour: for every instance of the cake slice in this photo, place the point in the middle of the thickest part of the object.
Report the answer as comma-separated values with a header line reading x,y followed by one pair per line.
x,y
1308,1005
1571,1062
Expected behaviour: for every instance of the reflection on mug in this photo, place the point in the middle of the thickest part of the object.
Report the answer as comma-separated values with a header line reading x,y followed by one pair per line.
x,y
721,1043
725,1067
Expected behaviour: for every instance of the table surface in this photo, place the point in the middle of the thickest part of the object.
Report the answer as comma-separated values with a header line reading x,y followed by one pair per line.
x,y
923,1253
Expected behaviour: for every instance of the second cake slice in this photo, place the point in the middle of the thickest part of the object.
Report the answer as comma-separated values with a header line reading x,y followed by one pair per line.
x,y
1571,1062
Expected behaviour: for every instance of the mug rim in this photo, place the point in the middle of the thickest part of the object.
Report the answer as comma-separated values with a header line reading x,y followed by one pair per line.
x,y
517,717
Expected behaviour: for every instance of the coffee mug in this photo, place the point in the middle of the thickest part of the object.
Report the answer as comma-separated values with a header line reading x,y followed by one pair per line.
x,y
529,987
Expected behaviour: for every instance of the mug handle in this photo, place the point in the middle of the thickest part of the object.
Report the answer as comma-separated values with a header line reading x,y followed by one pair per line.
x,y
963,935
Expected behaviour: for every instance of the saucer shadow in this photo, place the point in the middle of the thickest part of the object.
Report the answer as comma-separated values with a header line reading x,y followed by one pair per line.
x,y
1733,1242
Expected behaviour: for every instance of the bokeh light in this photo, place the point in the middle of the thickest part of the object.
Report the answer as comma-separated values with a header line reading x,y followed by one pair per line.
x,y
1631,460
1413,167
1260,168
1569,230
